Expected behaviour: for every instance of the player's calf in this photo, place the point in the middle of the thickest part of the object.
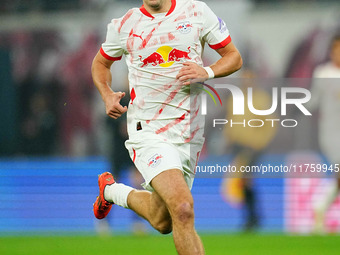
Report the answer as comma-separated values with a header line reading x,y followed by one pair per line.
x,y
151,207
163,226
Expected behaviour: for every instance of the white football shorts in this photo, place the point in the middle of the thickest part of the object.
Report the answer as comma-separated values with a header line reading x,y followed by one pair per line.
x,y
152,156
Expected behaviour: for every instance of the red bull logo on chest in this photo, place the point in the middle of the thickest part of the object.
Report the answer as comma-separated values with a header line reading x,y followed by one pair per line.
x,y
165,56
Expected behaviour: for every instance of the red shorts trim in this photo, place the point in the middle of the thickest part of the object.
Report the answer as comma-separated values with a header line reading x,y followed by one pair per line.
x,y
134,155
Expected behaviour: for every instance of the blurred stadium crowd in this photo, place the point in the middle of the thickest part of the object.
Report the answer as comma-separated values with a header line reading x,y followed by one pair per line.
x,y
48,102
39,80
19,6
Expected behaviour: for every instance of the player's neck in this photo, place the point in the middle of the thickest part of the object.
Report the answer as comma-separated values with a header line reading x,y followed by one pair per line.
x,y
163,8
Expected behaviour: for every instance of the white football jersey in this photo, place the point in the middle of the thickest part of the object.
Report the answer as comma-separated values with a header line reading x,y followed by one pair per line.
x,y
155,48
326,94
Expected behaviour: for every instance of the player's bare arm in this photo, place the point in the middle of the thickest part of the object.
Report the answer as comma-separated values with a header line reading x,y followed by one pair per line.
x,y
102,78
230,62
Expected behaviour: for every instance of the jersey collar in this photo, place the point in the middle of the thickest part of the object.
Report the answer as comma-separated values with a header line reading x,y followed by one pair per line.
x,y
146,13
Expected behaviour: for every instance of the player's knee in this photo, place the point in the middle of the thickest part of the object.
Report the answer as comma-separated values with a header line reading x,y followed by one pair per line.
x,y
183,212
164,227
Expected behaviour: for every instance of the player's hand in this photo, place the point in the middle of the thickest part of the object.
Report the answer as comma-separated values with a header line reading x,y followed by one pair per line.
x,y
112,104
192,73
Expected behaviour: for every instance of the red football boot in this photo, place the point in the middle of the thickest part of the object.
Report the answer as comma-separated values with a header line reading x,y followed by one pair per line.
x,y
101,207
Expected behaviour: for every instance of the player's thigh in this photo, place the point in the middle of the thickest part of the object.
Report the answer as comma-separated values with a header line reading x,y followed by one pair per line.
x,y
171,186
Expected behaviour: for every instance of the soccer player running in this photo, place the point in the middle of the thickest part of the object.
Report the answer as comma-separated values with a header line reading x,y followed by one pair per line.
x,y
326,95
162,42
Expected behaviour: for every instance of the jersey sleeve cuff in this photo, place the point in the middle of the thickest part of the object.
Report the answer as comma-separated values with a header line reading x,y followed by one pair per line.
x,y
221,44
109,57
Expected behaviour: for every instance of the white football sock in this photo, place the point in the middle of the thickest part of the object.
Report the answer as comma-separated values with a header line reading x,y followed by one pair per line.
x,y
118,194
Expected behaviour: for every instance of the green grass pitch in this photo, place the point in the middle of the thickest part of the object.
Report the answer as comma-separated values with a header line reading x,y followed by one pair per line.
x,y
162,245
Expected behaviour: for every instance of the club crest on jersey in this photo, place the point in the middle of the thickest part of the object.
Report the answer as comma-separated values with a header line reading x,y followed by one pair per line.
x,y
184,27
155,160
223,26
